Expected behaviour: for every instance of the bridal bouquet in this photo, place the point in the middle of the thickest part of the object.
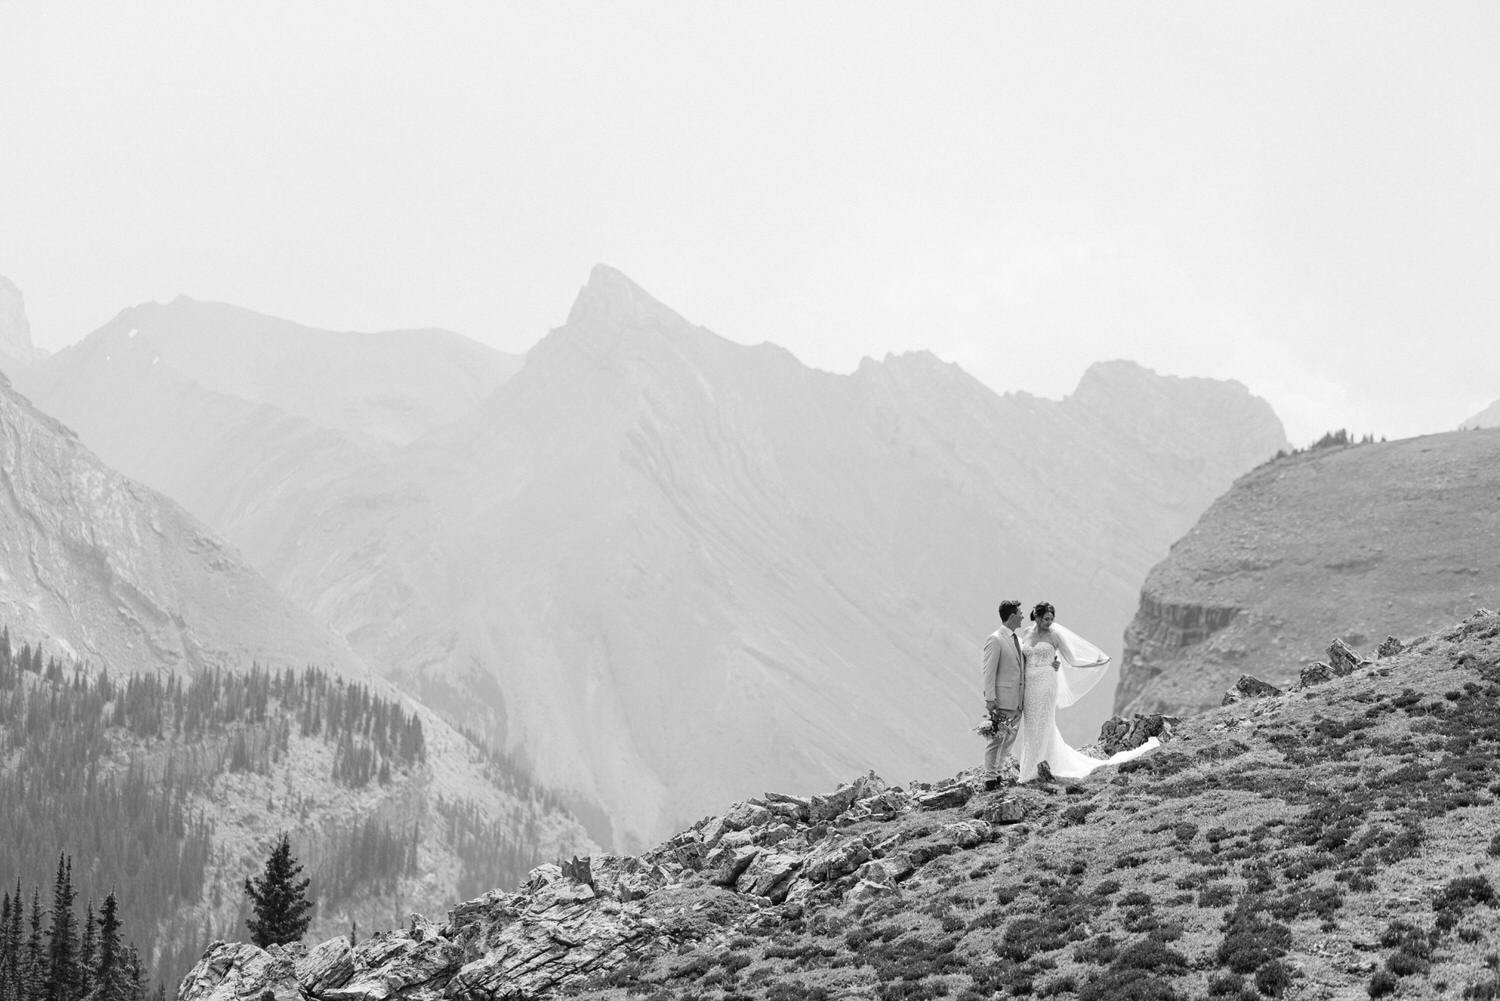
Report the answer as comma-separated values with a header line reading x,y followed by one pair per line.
x,y
996,724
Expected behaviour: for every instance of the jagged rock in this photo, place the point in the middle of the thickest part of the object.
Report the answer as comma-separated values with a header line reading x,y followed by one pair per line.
x,y
396,964
891,869
792,808
745,815
769,875
826,808
562,933
774,835
238,971
726,865
964,833
946,799
1121,734
737,839
885,806
1006,811
1389,648
1249,687
577,869
624,877
836,857
1343,660
543,875
326,966
713,831
1315,673
868,889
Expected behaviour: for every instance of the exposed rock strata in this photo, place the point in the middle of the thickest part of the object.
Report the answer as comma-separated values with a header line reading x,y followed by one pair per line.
x,y
1335,542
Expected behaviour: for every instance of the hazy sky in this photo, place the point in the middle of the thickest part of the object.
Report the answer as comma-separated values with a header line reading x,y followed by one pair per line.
x,y
1300,196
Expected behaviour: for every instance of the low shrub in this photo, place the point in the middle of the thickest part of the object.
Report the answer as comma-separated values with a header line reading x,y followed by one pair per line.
x,y
1273,978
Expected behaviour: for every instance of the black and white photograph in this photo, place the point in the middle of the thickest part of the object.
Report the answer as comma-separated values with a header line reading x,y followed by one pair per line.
x,y
659,501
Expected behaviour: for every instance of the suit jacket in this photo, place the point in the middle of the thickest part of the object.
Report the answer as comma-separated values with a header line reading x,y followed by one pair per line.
x,y
1004,674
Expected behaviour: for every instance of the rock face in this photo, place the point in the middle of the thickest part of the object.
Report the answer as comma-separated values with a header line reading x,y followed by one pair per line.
x,y
16,349
111,570
1336,542
667,568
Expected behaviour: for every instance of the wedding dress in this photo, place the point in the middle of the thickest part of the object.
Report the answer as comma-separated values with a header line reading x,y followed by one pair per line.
x,y
1047,689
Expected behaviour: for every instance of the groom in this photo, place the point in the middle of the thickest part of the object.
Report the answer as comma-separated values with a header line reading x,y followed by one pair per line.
x,y
1004,688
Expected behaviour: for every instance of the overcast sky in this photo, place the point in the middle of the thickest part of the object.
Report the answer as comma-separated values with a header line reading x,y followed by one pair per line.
x,y
1300,196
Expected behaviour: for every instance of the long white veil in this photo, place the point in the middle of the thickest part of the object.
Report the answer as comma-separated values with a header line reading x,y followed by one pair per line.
x,y
1082,667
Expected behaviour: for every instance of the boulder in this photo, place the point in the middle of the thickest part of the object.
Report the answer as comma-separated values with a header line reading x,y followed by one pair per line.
x,y
775,834
1249,687
867,890
726,865
1316,673
769,875
1121,734
238,971
835,857
1342,660
946,798
891,869
1389,648
1005,811
745,815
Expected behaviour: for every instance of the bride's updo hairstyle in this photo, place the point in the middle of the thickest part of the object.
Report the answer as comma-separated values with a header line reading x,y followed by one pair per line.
x,y
1041,608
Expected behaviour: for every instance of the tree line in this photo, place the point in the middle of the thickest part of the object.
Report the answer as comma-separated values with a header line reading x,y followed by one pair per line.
x,y
48,956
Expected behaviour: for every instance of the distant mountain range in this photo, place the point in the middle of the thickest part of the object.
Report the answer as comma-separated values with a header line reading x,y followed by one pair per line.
x,y
666,568
1346,541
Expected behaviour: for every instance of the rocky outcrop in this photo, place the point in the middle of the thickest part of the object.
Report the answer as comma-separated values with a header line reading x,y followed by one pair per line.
x,y
587,916
1121,734
16,348
1332,542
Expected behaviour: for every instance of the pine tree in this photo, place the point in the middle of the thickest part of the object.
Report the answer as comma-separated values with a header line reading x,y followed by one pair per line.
x,y
34,963
86,949
279,899
7,953
62,942
114,980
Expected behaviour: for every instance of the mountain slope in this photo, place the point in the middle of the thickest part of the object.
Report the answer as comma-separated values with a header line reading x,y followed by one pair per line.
x,y
1335,841
1489,417
1338,541
110,570
674,568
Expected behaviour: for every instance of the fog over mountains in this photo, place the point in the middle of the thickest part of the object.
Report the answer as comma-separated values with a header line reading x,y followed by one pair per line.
x,y
669,569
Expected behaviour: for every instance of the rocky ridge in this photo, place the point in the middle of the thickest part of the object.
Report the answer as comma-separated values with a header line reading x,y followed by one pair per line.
x,y
1340,541
1282,844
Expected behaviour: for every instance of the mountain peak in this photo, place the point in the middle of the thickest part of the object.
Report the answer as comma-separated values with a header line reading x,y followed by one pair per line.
x,y
15,329
611,296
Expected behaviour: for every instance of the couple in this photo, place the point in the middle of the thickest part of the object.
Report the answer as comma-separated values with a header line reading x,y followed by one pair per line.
x,y
1029,673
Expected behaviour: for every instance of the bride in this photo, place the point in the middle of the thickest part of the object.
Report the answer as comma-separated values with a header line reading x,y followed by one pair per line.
x,y
1061,667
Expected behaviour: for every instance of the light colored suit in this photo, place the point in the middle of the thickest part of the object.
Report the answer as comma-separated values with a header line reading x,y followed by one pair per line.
x,y
1005,685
